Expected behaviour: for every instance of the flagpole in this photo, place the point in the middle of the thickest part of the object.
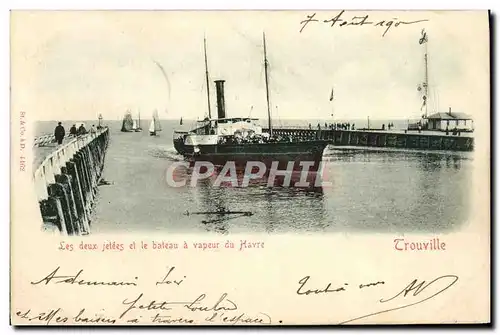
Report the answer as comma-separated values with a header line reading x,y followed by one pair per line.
x,y
426,81
331,100
423,40
333,119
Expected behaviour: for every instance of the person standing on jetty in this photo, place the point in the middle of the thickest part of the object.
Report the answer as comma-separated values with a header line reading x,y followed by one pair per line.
x,y
59,133
82,130
72,130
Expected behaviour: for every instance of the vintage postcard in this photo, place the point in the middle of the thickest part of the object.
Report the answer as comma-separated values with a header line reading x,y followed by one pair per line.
x,y
250,167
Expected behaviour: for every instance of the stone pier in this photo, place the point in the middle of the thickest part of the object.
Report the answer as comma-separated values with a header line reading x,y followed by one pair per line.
x,y
66,182
424,140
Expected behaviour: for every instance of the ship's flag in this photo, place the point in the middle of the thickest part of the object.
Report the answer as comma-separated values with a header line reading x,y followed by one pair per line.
x,y
424,98
423,38
331,95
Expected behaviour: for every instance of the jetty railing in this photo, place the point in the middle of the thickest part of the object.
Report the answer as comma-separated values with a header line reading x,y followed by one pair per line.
x,y
66,182
386,139
44,140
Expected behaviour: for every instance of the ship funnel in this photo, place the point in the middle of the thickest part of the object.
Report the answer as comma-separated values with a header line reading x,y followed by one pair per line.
x,y
221,105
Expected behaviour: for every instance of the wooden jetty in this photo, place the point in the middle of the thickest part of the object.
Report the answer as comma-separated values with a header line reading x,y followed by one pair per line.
x,y
66,182
383,139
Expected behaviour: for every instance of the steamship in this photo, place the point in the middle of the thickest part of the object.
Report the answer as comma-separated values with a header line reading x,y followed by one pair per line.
x,y
242,139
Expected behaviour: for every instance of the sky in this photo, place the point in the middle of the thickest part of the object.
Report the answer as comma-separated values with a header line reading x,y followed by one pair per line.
x,y
77,65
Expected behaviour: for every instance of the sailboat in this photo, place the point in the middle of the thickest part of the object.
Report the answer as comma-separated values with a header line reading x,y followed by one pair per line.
x,y
154,126
128,122
138,128
242,139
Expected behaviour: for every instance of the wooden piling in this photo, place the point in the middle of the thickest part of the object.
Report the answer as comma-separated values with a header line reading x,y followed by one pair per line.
x,y
67,183
78,195
58,191
52,214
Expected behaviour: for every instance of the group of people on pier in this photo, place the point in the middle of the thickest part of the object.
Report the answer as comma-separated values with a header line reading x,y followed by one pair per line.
x,y
336,126
346,126
60,132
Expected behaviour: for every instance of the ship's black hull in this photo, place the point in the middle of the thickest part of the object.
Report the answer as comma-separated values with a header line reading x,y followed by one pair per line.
x,y
179,145
267,153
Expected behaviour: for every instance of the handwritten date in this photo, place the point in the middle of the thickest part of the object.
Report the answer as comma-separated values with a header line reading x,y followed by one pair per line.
x,y
340,20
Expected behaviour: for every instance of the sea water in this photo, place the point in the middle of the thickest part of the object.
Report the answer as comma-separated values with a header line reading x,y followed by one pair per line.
x,y
372,190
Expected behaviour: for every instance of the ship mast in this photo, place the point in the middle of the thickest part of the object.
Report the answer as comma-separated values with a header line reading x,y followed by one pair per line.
x,y
267,88
206,77
426,84
423,40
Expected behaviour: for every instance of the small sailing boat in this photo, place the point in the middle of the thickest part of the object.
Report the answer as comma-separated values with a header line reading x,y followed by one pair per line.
x,y
180,122
138,128
152,128
128,123
155,125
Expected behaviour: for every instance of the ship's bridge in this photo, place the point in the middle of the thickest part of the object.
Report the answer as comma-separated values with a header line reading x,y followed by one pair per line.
x,y
230,127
